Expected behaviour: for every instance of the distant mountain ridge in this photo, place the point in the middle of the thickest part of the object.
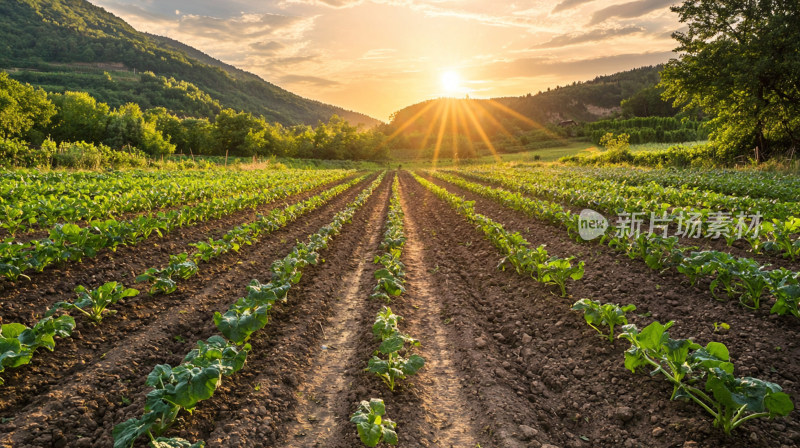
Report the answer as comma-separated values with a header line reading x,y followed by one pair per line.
x,y
580,101
54,44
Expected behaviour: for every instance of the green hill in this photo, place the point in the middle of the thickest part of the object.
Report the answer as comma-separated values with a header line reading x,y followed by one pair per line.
x,y
580,101
73,45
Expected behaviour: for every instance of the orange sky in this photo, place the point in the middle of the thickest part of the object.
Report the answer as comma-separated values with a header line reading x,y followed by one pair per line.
x,y
377,56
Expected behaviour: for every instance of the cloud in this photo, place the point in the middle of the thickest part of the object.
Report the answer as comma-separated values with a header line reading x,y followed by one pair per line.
x,y
267,47
569,4
310,80
629,10
337,4
574,69
379,53
293,60
590,36
244,26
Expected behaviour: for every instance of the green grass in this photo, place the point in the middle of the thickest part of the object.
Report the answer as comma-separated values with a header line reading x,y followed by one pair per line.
x,y
544,155
662,146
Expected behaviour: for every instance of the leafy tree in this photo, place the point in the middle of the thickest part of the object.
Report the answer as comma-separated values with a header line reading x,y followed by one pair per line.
x,y
127,127
739,62
22,108
79,118
231,129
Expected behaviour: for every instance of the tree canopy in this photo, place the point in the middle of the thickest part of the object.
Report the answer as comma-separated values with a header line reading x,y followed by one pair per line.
x,y
739,62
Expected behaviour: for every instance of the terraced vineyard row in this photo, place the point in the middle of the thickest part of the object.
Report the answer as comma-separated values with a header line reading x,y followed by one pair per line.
x,y
418,309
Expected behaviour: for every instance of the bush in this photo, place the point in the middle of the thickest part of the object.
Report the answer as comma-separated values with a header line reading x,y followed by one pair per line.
x,y
17,153
679,156
82,155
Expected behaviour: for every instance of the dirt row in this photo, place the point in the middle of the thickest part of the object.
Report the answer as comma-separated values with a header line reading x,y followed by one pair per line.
x,y
507,363
584,377
740,248
74,396
25,301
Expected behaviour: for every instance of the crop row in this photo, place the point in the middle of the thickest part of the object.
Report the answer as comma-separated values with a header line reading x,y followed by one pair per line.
x,y
202,370
185,265
710,214
19,346
535,262
548,179
69,242
25,206
756,184
391,361
738,277
704,375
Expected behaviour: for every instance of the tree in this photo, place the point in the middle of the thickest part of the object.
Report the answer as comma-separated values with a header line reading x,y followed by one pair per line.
x,y
22,108
231,129
127,127
80,118
739,62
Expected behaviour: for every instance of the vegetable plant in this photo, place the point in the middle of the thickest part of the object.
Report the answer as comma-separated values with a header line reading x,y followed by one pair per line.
x,y
731,401
95,302
19,343
558,270
372,425
608,314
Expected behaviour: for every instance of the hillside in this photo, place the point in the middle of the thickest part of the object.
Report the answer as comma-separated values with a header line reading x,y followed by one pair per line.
x,y
73,45
580,101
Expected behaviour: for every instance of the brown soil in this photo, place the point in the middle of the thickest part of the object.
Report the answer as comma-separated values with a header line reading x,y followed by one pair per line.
x,y
507,363
96,379
740,248
585,374
26,301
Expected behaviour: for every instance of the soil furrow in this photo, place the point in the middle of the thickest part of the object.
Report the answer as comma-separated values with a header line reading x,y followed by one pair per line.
x,y
25,302
258,408
87,385
761,345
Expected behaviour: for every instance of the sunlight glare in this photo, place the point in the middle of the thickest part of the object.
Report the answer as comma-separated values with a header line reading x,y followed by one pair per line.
x,y
451,81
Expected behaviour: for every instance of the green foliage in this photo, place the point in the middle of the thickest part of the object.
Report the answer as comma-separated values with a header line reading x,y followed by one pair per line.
x,y
737,62
22,108
609,314
51,37
730,400
19,343
95,302
390,363
646,130
182,387
373,427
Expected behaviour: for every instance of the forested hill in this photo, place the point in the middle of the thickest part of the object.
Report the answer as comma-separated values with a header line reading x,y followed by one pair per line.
x,y
73,45
579,101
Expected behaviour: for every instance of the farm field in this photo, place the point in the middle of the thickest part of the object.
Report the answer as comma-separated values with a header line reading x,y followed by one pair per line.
x,y
261,308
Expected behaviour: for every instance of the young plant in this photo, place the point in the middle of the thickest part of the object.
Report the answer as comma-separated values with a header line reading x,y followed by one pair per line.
x,y
95,302
18,343
609,315
559,270
731,401
373,428
182,387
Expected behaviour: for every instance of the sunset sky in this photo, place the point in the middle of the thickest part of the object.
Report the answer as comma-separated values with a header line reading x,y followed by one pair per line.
x,y
378,56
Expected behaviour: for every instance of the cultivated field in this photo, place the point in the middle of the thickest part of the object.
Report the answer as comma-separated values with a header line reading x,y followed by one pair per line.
x,y
260,305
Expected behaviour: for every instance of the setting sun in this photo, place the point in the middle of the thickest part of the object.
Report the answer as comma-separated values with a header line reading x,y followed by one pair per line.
x,y
451,81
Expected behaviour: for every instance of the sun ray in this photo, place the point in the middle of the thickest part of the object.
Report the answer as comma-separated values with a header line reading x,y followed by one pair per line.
x,y
462,121
523,118
440,136
409,122
481,132
429,131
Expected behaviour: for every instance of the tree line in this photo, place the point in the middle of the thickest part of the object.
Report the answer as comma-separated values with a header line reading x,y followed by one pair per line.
x,y
36,118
